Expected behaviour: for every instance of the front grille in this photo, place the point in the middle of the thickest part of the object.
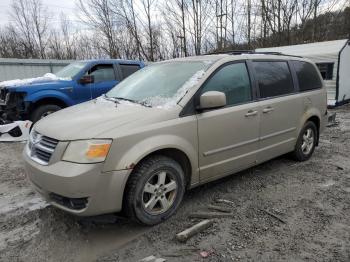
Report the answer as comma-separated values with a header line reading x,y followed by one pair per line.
x,y
41,148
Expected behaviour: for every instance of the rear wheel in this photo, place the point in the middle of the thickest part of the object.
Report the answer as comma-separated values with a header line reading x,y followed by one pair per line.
x,y
154,190
43,111
306,142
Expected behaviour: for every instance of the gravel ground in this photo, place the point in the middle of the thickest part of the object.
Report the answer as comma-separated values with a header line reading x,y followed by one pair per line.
x,y
283,211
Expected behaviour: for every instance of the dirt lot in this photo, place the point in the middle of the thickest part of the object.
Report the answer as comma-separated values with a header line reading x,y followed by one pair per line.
x,y
312,200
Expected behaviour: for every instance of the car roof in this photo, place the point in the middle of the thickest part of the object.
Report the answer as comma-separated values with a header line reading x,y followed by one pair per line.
x,y
125,61
239,56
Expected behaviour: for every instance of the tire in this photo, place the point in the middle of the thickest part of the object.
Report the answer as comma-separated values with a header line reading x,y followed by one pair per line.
x,y
306,144
147,199
42,111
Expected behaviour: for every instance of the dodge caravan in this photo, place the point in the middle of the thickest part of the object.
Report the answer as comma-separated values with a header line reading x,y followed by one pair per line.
x,y
172,126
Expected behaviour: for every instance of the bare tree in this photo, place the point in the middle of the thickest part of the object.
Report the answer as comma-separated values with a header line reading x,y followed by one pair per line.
x,y
125,10
147,8
175,14
69,47
154,30
99,15
31,25
198,22
249,28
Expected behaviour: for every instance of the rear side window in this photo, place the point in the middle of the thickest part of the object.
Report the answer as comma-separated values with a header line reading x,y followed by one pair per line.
x,y
274,78
308,78
128,69
233,80
326,70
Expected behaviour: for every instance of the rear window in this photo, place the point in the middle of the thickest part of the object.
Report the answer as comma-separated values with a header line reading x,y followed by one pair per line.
x,y
308,77
128,69
274,78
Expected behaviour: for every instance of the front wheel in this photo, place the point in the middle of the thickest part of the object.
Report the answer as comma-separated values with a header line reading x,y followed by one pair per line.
x,y
43,111
154,191
306,142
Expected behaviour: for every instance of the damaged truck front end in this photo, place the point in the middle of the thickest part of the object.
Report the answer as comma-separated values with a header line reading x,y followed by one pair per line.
x,y
12,110
12,105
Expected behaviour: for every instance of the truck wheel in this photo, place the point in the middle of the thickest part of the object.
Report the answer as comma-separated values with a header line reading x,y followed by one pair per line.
x,y
42,111
154,190
306,142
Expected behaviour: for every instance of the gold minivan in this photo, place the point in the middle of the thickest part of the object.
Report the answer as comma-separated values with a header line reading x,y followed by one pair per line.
x,y
172,126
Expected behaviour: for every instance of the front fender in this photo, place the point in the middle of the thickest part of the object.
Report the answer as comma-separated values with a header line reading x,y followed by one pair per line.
x,y
133,155
35,97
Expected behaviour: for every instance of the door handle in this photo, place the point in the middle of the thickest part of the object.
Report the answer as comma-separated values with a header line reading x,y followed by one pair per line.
x,y
251,113
268,109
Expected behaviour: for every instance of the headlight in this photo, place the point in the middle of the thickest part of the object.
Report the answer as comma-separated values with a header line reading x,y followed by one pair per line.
x,y
87,151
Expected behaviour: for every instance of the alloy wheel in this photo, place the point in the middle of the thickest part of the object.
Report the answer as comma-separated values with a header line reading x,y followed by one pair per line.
x,y
308,141
159,193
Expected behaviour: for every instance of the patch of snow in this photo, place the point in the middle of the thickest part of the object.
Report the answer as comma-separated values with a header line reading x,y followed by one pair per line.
x,y
20,199
328,183
102,99
29,81
31,204
169,102
208,62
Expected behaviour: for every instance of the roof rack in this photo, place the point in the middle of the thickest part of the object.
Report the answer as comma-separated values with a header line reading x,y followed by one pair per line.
x,y
232,52
253,52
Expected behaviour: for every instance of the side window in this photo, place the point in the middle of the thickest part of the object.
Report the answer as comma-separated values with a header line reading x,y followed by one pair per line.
x,y
326,70
233,80
128,69
274,78
308,78
102,73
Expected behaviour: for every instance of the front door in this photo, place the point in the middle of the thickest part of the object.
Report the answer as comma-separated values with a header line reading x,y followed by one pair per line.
x,y
228,137
104,79
280,109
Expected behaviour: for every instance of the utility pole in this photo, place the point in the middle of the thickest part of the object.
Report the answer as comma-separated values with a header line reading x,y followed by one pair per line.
x,y
182,47
220,27
183,26
248,16
316,2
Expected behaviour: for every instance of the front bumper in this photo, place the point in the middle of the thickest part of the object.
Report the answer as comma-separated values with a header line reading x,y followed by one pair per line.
x,y
102,192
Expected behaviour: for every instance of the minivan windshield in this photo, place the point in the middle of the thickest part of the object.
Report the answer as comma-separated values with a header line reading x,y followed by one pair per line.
x,y
70,71
160,84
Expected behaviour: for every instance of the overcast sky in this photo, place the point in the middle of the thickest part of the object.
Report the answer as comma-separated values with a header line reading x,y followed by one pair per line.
x,y
68,7
55,7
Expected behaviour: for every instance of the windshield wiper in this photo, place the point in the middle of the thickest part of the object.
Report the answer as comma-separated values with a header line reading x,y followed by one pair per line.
x,y
133,101
110,99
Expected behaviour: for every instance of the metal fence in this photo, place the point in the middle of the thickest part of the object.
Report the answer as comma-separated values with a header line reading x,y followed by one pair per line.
x,y
27,68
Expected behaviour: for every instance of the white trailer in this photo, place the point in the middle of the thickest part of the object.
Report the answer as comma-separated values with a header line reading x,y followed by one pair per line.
x,y
333,61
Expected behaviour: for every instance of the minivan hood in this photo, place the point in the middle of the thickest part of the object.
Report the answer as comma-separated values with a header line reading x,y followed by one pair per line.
x,y
92,119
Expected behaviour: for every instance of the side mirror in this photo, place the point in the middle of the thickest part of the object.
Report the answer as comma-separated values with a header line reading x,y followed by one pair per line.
x,y
89,79
212,99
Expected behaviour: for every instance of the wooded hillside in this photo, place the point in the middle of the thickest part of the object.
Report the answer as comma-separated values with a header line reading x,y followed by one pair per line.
x,y
161,29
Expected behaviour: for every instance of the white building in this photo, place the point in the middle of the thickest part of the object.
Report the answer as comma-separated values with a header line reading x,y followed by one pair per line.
x,y
333,61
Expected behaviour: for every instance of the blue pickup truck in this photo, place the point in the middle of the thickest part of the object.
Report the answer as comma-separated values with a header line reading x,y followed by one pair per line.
x,y
78,82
